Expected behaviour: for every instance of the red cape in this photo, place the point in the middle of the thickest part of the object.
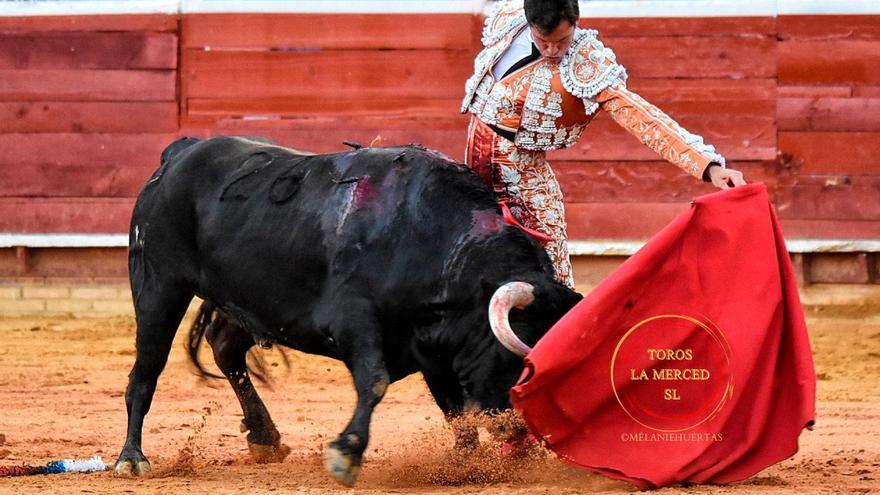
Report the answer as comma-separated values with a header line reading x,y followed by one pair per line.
x,y
690,363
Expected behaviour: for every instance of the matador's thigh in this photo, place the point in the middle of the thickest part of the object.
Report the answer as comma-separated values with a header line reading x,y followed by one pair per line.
x,y
526,182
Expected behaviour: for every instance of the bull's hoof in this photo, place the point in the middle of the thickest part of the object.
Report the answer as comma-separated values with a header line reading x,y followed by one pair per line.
x,y
131,467
341,466
265,454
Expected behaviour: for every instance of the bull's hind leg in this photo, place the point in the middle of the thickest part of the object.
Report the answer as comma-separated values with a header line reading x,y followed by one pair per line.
x,y
158,309
230,344
359,345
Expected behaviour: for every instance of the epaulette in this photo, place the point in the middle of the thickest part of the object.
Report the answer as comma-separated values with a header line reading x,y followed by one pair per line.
x,y
504,17
589,66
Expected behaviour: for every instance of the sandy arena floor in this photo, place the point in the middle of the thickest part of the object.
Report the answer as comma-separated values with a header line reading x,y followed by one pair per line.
x,y
61,396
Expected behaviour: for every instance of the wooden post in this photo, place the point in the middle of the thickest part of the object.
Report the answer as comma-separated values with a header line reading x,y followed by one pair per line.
x,y
21,256
801,264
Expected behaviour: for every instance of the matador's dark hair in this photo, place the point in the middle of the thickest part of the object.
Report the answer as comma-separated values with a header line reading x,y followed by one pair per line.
x,y
546,15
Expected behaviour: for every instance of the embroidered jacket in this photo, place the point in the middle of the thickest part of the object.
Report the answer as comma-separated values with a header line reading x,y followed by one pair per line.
x,y
548,105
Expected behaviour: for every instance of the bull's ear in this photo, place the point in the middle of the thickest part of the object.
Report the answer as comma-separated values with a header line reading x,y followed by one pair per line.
x,y
487,287
556,297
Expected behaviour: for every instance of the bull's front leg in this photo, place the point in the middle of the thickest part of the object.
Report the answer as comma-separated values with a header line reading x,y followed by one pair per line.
x,y
447,391
361,350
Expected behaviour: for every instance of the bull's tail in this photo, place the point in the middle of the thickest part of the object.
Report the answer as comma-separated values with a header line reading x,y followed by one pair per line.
x,y
210,319
204,320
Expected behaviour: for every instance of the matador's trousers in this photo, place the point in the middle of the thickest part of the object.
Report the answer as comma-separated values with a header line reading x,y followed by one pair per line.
x,y
526,182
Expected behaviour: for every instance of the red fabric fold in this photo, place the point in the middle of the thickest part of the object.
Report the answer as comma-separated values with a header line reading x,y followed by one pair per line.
x,y
690,363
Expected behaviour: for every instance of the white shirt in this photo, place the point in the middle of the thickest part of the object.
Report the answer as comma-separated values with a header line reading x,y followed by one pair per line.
x,y
520,48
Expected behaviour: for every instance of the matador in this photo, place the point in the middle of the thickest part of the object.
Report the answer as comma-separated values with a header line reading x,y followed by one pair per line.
x,y
538,82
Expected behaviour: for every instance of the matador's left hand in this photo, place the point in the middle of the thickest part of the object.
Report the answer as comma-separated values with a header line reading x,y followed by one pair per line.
x,y
725,178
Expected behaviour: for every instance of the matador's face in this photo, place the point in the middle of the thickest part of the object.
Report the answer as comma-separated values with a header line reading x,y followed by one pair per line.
x,y
554,44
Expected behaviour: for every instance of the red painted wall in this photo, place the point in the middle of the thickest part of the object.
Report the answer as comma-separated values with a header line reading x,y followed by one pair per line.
x,y
87,104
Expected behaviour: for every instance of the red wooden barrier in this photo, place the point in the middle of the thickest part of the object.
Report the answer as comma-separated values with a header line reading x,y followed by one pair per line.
x,y
74,181
826,27
677,26
331,32
80,215
83,149
833,152
642,182
88,117
331,74
87,85
829,62
78,50
87,103
829,114
89,23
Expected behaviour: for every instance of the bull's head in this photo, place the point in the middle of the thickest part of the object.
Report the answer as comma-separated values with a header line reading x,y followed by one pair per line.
x,y
520,313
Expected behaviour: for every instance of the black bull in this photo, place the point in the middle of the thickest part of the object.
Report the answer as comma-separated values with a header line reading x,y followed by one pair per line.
x,y
383,258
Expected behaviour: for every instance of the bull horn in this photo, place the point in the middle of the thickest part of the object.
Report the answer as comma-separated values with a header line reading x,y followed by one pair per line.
x,y
512,294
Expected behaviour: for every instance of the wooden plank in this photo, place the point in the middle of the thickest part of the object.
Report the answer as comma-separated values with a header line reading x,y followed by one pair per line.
x,y
89,23
88,85
840,268
712,89
619,220
80,215
346,31
45,181
815,91
697,57
829,27
349,112
829,114
866,91
642,182
83,149
832,152
829,62
126,50
830,198
328,74
692,26
91,117
830,229
737,138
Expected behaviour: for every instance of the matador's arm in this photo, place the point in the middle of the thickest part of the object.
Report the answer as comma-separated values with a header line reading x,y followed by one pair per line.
x,y
592,73
658,131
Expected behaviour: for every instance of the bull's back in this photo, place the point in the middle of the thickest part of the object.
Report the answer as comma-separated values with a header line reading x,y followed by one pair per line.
x,y
254,219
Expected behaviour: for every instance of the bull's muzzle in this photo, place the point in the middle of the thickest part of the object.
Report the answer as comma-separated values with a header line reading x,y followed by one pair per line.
x,y
509,295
